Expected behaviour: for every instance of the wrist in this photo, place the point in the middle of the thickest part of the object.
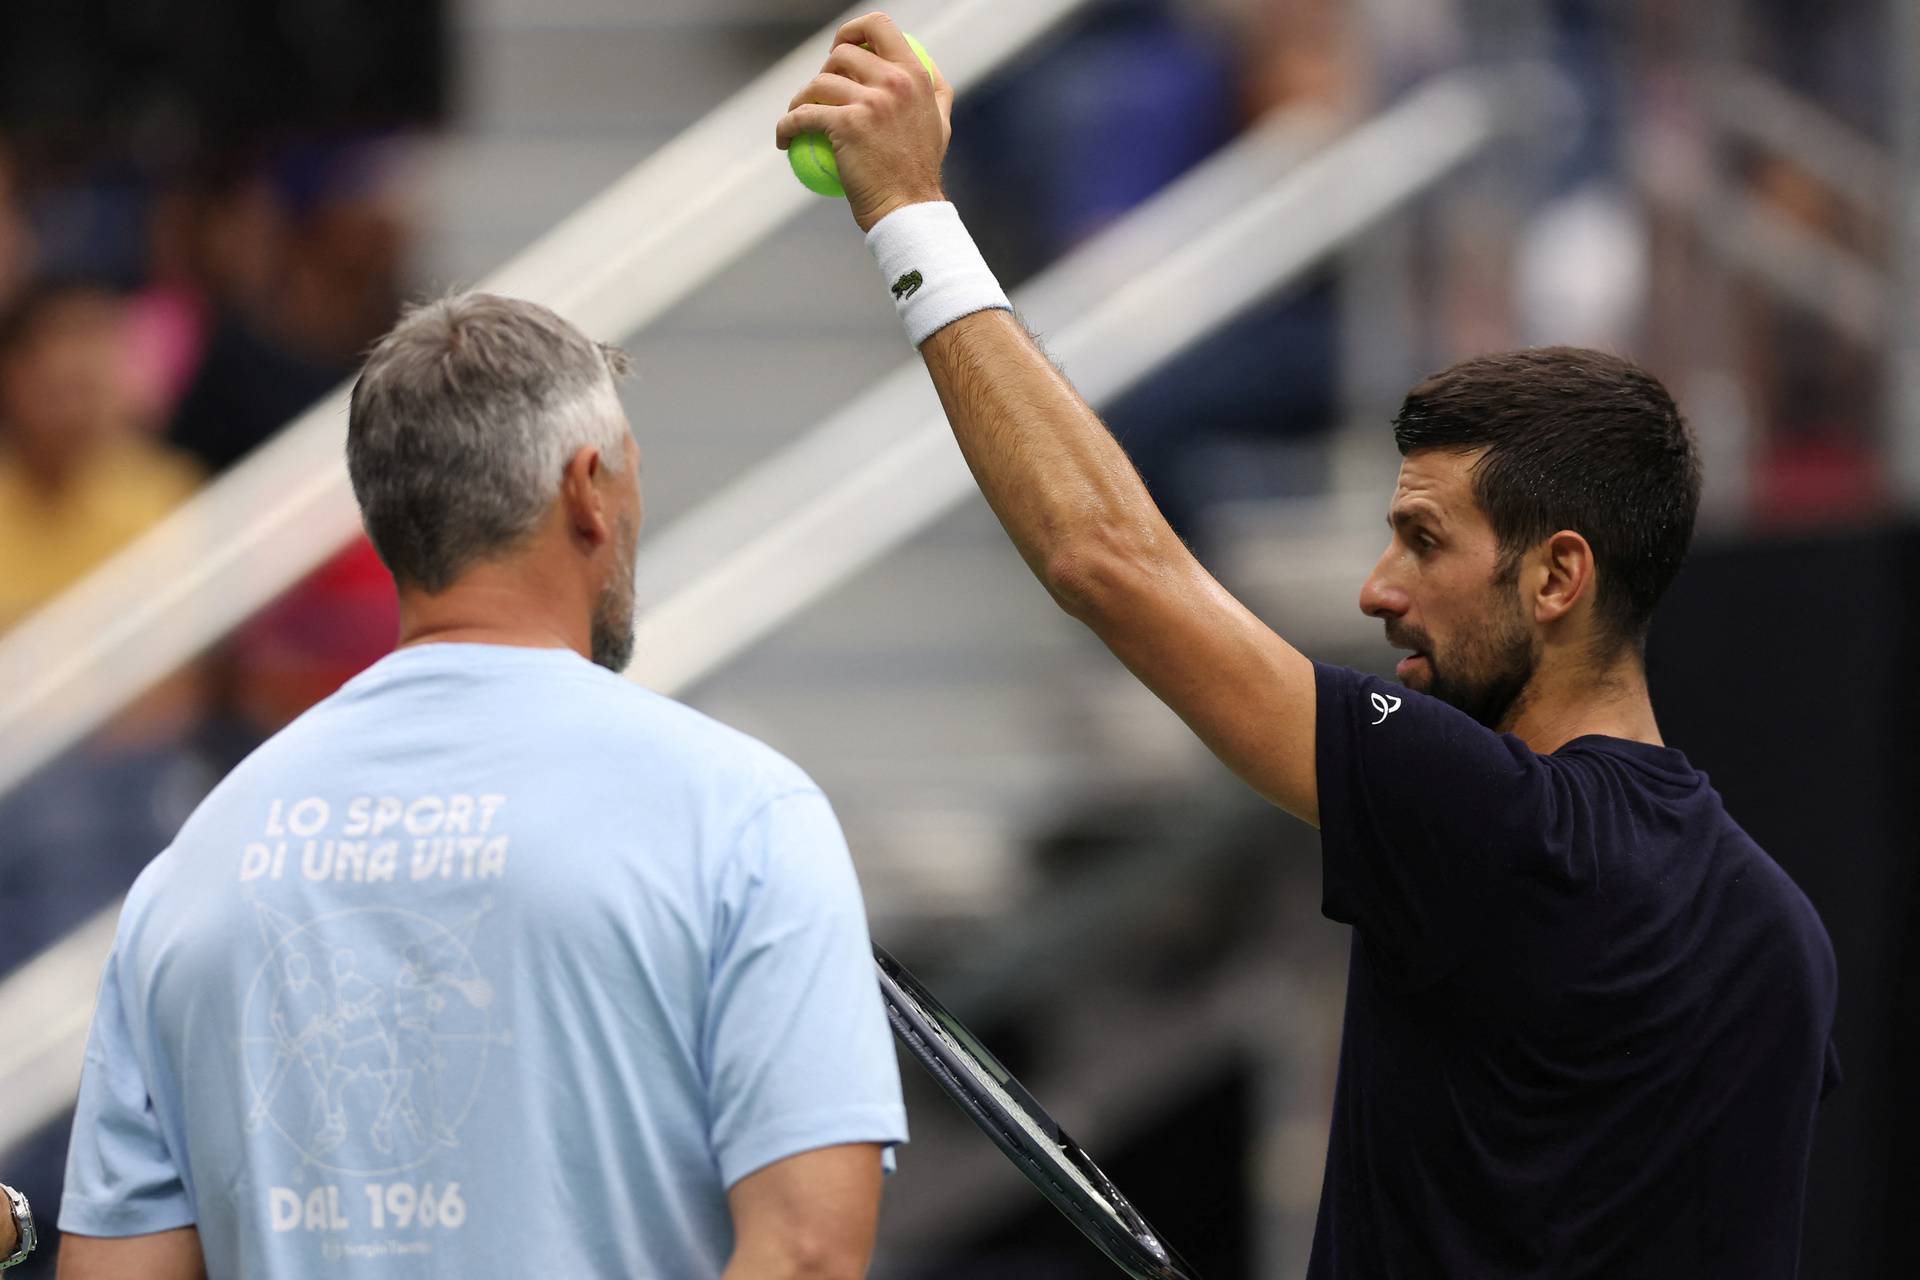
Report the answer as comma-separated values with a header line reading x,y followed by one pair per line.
x,y
868,219
16,1223
932,267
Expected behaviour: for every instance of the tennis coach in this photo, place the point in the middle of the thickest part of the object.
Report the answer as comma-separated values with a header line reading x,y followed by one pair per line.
x,y
1588,1019
492,963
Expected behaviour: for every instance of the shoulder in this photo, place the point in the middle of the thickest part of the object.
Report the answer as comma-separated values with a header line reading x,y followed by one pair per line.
x,y
598,723
1791,917
137,910
1386,730
577,727
700,744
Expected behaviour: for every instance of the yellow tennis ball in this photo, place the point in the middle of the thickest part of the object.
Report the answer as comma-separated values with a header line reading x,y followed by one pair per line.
x,y
811,156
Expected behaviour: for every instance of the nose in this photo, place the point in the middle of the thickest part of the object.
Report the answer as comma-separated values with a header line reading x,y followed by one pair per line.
x,y
1380,597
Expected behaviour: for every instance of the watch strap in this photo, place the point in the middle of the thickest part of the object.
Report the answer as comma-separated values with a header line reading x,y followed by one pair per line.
x,y
23,1222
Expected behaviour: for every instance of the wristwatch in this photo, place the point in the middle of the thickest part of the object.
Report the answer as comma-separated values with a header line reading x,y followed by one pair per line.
x,y
23,1223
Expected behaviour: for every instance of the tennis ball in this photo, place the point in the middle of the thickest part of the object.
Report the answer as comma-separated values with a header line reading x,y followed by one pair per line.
x,y
811,156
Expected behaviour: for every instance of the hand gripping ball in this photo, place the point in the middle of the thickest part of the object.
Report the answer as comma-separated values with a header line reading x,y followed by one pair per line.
x,y
811,155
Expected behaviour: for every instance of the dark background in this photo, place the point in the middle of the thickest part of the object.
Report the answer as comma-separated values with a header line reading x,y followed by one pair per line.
x,y
157,79
1784,668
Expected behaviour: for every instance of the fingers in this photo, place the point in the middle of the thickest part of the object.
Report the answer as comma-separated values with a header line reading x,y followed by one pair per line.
x,y
828,88
864,66
880,31
808,117
849,78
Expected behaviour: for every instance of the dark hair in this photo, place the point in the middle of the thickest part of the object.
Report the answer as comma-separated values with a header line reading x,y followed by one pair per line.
x,y
1578,440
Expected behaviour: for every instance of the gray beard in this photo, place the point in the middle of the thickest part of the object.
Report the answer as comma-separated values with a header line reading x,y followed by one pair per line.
x,y
611,636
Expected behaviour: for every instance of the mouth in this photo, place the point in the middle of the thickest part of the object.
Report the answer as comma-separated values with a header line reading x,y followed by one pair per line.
x,y
1411,665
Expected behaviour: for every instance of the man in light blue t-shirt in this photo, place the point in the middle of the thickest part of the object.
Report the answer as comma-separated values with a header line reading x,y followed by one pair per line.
x,y
492,963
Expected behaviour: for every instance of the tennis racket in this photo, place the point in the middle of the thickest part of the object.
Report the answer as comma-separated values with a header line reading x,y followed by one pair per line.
x,y
1022,1129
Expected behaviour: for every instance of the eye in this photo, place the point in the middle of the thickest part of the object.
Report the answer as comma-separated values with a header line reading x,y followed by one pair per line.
x,y
1423,541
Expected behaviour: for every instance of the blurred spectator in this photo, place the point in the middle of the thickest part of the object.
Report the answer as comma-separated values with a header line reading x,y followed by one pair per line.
x,y
83,827
16,239
1088,129
295,271
212,241
1307,53
341,618
303,274
78,479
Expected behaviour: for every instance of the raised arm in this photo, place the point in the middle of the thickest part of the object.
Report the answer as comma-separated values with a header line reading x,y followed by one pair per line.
x,y
1061,485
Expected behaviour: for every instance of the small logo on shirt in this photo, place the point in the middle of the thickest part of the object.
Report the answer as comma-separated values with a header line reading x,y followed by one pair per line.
x,y
1386,704
906,286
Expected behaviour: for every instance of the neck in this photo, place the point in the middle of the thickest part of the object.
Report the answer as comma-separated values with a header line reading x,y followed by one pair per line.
x,y
1571,700
507,603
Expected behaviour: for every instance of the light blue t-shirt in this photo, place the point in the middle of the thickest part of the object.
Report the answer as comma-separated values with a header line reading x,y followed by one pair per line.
x,y
492,963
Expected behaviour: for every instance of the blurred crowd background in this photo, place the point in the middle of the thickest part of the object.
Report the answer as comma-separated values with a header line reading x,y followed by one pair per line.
x,y
208,211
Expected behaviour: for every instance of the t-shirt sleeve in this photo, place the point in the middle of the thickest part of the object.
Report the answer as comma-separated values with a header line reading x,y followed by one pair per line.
x,y
122,1178
1423,812
797,1048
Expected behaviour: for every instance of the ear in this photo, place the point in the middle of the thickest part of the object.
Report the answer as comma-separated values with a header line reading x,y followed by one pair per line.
x,y
1568,576
581,498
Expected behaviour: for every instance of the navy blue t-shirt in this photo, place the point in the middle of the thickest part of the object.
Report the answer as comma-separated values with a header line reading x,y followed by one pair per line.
x,y
1588,1020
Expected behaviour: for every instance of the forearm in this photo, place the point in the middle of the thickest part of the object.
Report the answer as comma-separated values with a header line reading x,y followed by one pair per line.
x,y
1073,503
9,1238
764,1265
1059,482
799,1252
164,1255
811,1216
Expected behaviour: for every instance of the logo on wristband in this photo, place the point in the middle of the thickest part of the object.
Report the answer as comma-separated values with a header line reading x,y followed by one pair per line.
x,y
906,286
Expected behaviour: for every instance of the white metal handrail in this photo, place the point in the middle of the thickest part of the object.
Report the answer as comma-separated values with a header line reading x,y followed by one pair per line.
x,y
1222,238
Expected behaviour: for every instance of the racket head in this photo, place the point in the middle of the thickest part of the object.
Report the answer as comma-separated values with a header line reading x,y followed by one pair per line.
x,y
1016,1122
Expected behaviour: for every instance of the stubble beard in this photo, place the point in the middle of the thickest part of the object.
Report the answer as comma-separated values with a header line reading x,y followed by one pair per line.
x,y
1485,674
613,620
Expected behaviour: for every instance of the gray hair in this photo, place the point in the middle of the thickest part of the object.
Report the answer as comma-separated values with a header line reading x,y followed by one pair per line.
x,y
461,424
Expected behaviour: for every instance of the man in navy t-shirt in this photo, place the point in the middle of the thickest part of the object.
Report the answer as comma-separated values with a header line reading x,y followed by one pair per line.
x,y
1588,1020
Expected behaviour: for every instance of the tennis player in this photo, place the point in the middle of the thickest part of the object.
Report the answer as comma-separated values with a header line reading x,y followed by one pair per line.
x,y
1588,1020
492,963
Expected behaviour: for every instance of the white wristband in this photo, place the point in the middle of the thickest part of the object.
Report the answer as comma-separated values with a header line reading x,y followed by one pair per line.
x,y
930,262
